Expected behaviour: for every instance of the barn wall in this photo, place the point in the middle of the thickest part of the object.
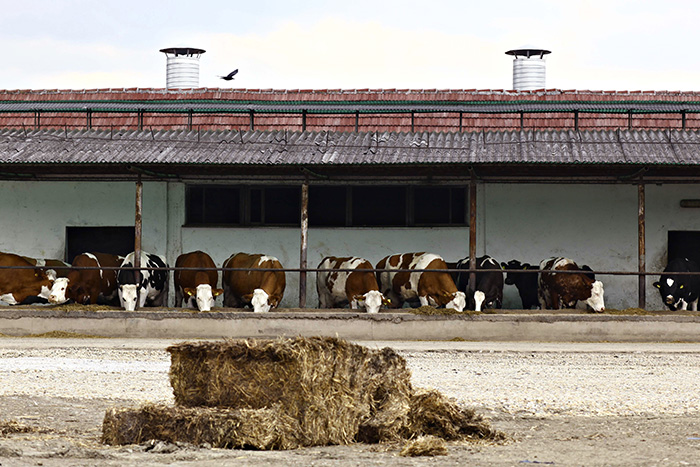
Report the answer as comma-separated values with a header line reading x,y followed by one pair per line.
x,y
592,224
35,214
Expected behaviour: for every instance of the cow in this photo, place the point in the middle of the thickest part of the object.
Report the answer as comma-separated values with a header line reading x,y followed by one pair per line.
x,y
677,291
151,289
54,267
89,286
525,282
356,288
488,292
262,290
430,288
196,287
21,286
557,290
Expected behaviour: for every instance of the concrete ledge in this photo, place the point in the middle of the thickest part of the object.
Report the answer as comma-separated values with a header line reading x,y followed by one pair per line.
x,y
508,326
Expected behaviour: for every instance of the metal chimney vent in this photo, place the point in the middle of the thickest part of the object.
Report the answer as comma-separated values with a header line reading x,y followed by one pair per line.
x,y
182,69
529,68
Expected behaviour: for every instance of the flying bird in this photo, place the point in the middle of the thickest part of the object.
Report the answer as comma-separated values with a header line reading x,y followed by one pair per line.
x,y
230,76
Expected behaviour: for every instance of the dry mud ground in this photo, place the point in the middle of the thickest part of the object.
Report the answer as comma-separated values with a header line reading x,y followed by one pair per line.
x,y
560,404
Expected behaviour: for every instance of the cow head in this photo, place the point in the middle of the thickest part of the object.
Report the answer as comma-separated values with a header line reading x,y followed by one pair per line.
x,y
58,291
672,292
204,295
45,282
79,294
372,301
128,295
260,301
514,264
595,301
481,302
458,301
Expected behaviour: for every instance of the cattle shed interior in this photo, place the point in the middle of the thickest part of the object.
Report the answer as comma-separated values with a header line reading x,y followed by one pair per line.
x,y
608,179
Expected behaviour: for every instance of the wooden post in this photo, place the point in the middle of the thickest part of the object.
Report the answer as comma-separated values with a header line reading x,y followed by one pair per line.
x,y
304,242
472,231
641,222
138,229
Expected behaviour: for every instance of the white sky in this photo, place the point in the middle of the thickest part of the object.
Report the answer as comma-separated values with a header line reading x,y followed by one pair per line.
x,y
619,45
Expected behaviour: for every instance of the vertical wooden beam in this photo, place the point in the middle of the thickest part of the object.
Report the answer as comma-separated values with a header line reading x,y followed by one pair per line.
x,y
251,114
641,223
472,231
304,242
138,229
303,120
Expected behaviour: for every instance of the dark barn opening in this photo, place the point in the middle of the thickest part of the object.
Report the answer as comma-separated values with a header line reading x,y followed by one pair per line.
x,y
114,240
684,244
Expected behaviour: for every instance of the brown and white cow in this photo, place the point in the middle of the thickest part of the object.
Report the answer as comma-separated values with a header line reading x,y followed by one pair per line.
x,y
197,288
557,290
430,288
54,267
89,286
22,285
357,288
262,290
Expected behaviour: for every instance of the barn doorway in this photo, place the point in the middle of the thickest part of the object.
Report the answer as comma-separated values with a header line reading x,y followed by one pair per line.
x,y
684,244
114,240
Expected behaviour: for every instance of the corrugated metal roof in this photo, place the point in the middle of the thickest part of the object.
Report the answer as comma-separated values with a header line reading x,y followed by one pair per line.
x,y
627,147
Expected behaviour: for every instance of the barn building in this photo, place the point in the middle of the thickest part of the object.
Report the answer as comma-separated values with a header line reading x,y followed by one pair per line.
x,y
606,178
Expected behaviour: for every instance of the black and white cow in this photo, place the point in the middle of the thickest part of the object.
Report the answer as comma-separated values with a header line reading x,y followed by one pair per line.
x,y
677,292
151,290
488,292
525,282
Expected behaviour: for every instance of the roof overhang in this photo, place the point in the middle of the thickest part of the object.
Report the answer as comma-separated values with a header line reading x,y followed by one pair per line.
x,y
328,157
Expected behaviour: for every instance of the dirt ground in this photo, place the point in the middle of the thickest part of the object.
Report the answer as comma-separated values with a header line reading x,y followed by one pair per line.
x,y
67,432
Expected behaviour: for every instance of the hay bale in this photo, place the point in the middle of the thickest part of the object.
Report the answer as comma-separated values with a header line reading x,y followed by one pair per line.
x,y
221,428
338,391
424,446
290,393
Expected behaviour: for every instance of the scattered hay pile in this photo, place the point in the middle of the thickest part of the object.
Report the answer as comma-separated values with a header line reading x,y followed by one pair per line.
x,y
8,427
425,446
289,393
432,311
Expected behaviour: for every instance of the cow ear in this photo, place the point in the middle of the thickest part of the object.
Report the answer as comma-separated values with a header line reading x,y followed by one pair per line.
x,y
189,291
657,285
386,301
217,292
247,297
358,297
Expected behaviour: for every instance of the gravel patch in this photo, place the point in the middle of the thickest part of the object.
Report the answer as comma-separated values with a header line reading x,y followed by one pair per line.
x,y
561,380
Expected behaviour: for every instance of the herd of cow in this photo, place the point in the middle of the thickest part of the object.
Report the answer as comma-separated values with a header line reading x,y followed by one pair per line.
x,y
258,281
